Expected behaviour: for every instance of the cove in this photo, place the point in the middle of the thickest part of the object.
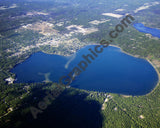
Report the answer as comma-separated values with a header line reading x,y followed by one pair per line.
x,y
154,32
112,71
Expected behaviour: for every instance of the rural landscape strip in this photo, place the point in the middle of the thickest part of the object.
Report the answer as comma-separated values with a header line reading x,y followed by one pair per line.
x,y
67,80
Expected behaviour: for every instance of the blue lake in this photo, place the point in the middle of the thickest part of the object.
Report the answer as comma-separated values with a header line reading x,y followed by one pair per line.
x,y
154,32
111,71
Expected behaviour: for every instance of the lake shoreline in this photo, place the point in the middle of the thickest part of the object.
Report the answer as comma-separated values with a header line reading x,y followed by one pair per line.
x,y
146,60
120,49
158,77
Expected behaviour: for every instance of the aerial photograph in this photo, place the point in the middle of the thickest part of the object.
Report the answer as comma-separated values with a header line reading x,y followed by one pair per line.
x,y
79,64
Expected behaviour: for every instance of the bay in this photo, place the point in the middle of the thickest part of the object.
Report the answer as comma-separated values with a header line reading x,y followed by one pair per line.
x,y
153,31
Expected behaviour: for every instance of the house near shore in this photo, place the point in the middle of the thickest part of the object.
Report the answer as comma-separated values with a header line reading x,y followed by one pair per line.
x,y
10,80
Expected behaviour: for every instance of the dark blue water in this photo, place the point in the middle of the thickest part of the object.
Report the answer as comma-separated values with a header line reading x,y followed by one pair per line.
x,y
112,71
154,32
